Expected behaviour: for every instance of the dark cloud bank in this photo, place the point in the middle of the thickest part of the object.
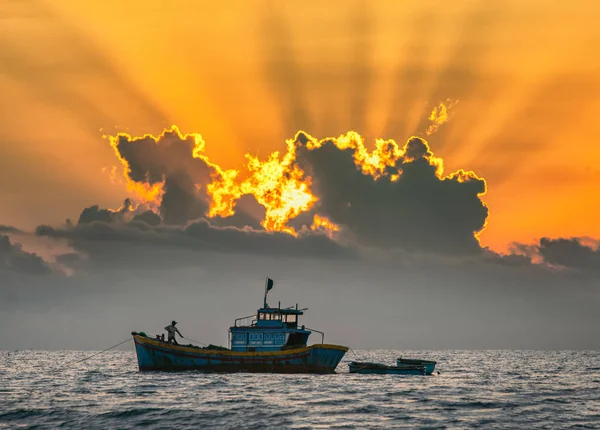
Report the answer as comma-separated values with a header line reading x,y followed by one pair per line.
x,y
13,258
406,271
571,253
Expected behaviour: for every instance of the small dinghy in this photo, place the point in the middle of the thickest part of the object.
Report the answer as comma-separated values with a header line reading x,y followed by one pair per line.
x,y
364,367
411,362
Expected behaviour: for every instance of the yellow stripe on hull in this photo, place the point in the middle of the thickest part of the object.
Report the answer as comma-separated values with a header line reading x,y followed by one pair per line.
x,y
182,348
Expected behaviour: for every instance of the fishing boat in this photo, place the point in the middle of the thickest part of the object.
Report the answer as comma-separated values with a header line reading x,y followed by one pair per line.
x,y
365,367
410,362
270,341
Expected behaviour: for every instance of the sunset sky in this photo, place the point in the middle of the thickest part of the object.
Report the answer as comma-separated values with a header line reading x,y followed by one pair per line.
x,y
525,74
521,80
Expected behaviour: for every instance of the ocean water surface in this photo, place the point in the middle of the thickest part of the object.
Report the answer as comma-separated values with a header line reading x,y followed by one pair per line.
x,y
475,389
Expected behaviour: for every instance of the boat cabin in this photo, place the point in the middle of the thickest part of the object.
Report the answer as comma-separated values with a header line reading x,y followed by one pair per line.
x,y
271,329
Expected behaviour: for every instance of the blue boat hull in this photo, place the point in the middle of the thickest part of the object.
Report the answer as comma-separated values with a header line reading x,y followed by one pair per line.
x,y
407,362
161,356
366,368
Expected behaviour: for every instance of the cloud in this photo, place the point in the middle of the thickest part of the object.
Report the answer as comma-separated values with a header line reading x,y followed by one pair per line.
x,y
573,253
128,211
14,258
248,213
411,205
8,229
390,197
94,213
168,162
171,172
132,237
121,243
149,217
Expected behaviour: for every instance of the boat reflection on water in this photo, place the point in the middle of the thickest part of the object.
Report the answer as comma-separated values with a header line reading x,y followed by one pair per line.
x,y
404,366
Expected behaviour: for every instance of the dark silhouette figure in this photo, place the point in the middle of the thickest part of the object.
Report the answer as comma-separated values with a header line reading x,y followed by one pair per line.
x,y
171,330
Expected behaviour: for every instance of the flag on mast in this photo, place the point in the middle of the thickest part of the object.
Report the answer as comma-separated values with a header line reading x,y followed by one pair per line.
x,y
268,286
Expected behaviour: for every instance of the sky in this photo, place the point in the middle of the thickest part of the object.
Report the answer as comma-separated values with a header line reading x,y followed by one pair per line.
x,y
420,174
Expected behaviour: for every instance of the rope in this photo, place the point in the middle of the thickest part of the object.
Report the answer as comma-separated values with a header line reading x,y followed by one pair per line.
x,y
353,353
187,338
91,356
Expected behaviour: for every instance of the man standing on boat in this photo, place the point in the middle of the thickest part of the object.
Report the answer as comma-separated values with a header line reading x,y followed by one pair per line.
x,y
171,329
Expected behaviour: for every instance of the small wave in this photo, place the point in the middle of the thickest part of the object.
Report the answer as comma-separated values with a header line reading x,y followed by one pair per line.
x,y
366,409
328,402
129,413
556,400
481,405
19,414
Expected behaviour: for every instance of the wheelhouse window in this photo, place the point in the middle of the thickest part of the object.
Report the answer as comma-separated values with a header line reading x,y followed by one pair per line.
x,y
290,318
272,316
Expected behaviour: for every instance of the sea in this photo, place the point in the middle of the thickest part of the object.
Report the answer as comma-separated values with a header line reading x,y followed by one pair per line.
x,y
474,389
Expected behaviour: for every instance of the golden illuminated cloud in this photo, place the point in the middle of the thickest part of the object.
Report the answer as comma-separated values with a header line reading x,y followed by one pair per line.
x,y
172,174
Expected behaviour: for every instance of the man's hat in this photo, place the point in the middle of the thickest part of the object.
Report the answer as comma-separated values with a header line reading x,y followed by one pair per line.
x,y
173,322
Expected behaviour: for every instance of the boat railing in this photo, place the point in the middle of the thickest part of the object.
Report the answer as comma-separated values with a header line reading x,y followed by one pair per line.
x,y
320,332
243,321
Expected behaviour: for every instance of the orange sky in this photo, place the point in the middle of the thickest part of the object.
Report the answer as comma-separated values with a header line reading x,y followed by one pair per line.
x,y
247,75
